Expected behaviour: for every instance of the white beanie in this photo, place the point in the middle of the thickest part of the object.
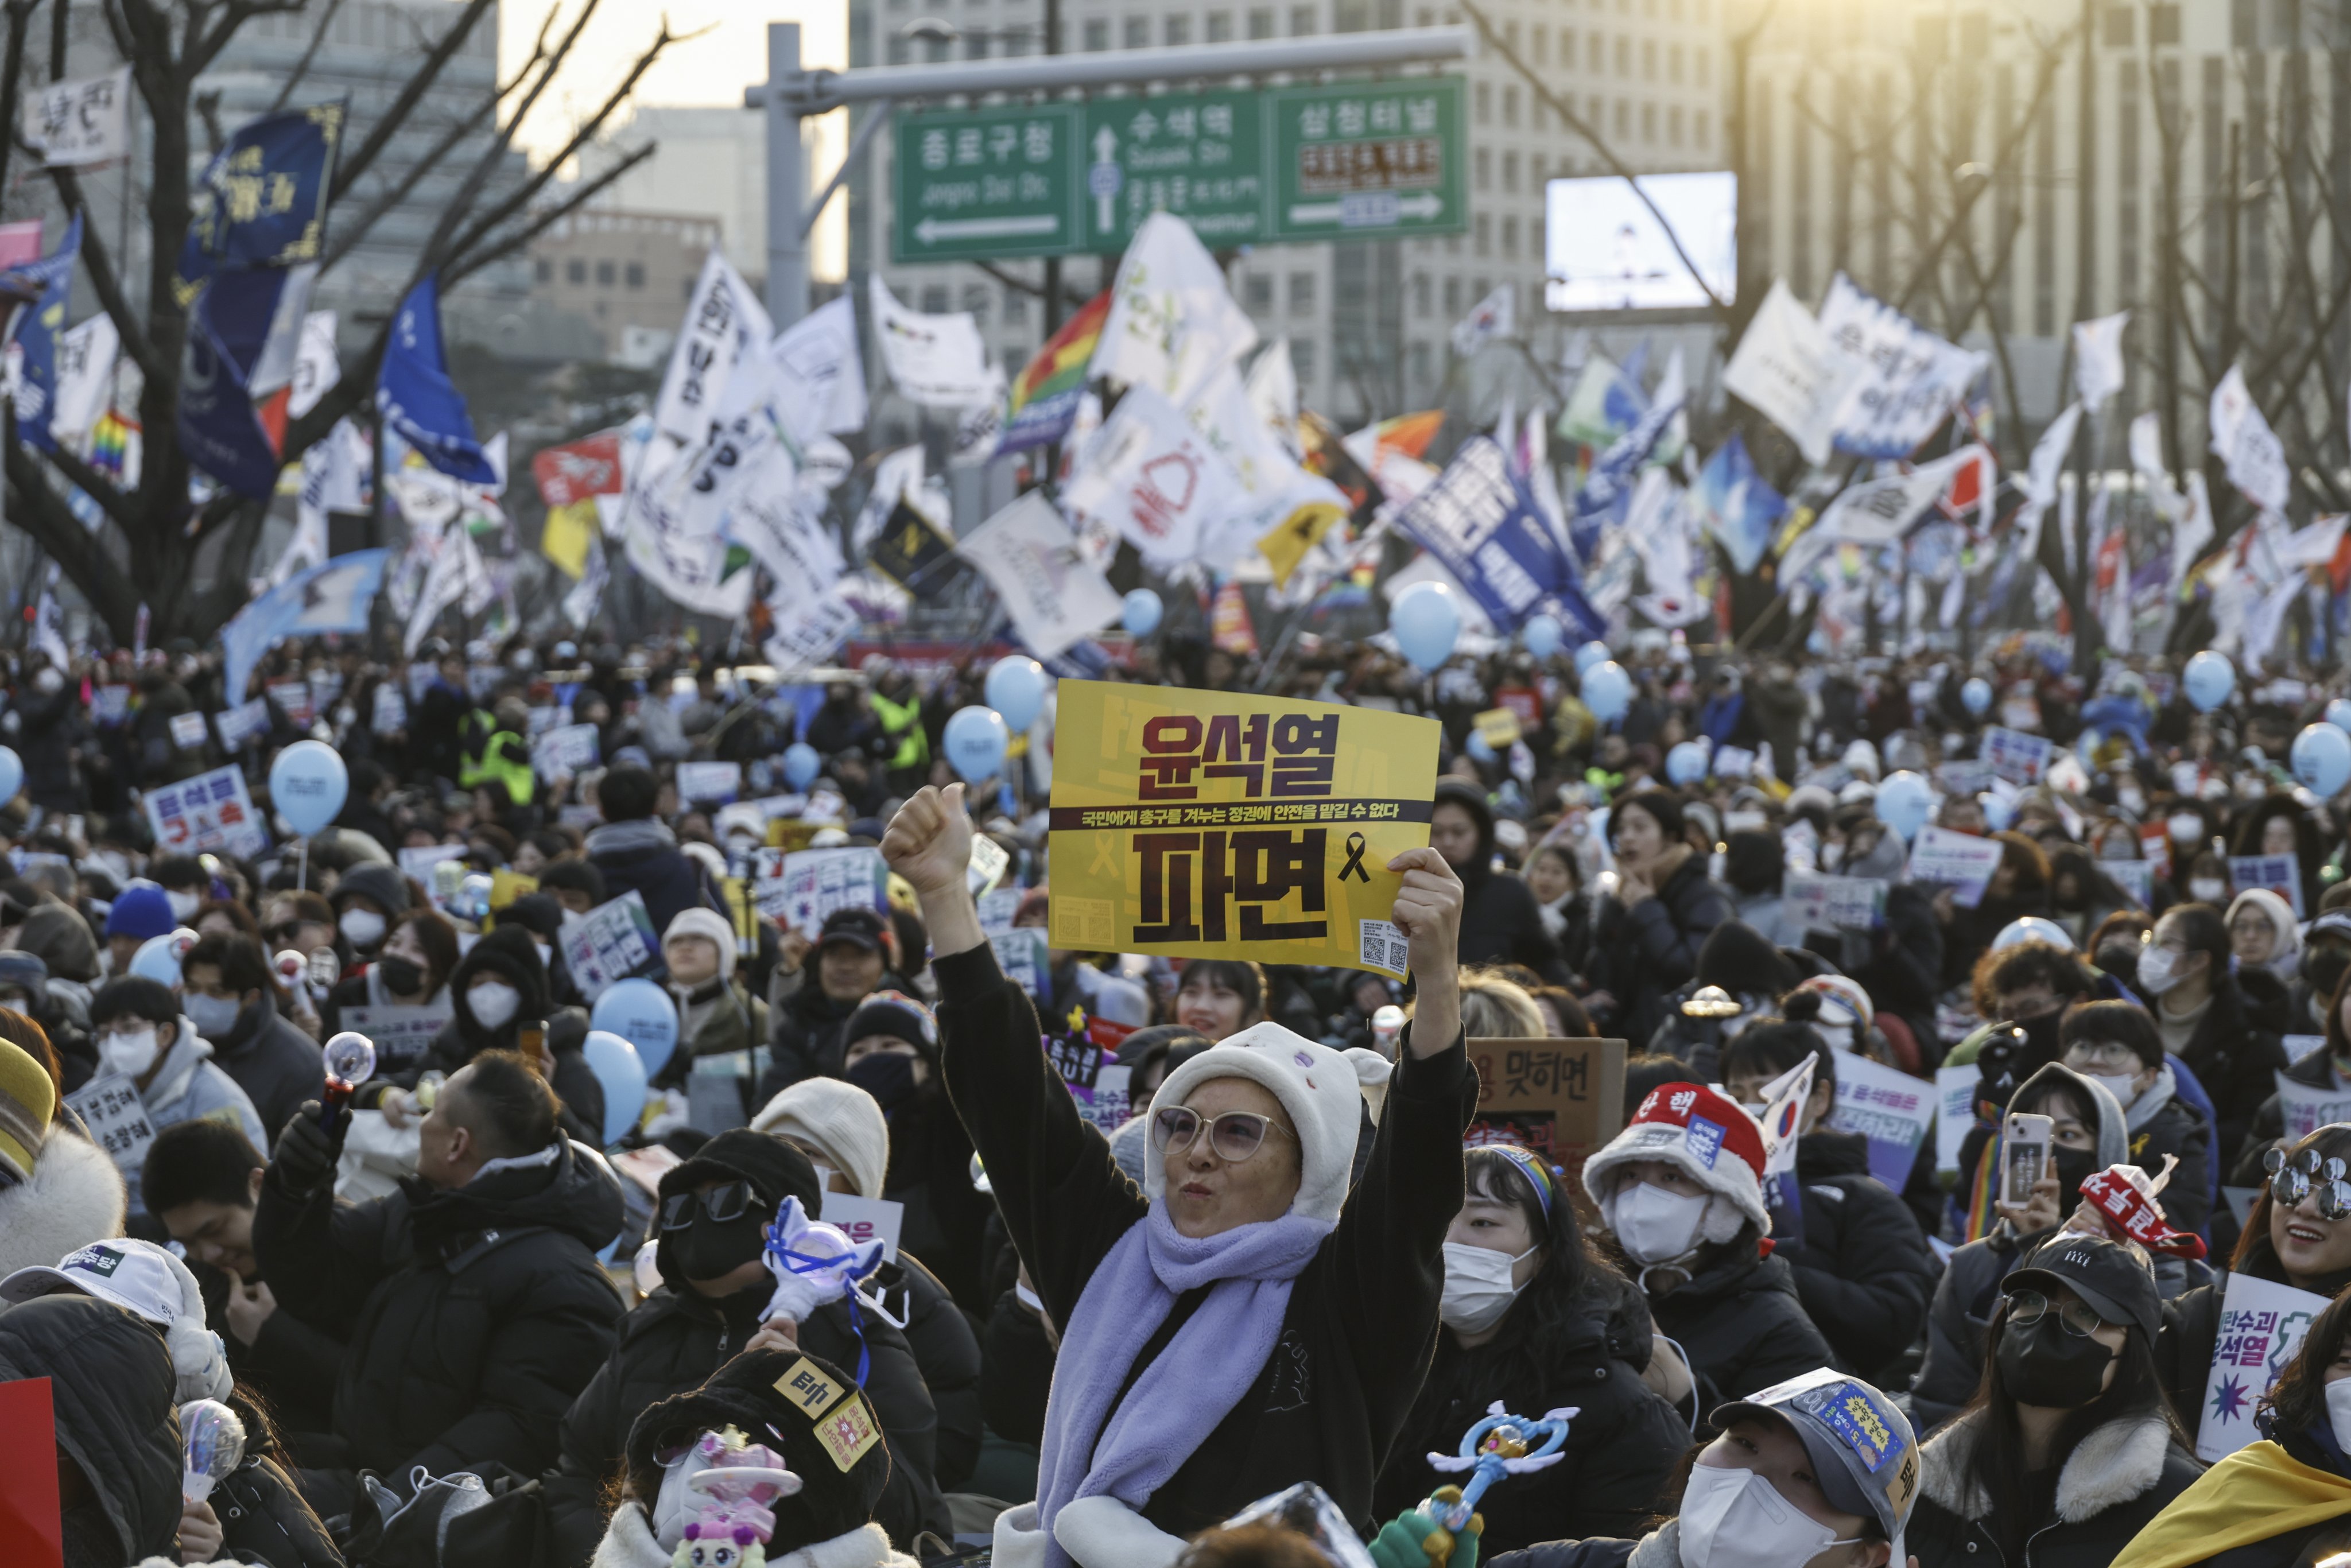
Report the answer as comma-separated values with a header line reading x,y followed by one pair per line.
x,y
840,1120
1703,1134
1321,1089
707,922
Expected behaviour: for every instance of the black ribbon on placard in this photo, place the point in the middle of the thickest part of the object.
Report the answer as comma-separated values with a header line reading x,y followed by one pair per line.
x,y
1354,859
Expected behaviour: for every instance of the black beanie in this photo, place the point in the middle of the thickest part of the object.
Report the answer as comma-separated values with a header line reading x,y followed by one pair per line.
x,y
898,1016
1754,861
774,1169
1738,958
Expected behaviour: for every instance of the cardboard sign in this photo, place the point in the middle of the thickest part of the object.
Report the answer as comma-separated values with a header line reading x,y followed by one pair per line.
x,y
1962,860
867,1219
402,1035
566,748
2281,875
800,887
2261,1325
1955,1111
1499,726
188,731
1561,1098
2306,1110
703,783
242,723
32,1529
118,1120
1214,825
608,943
210,811
2018,757
1887,1107
1836,903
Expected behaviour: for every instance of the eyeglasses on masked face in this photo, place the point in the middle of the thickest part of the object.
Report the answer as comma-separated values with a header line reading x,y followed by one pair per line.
x,y
1233,1136
2026,1307
2293,1178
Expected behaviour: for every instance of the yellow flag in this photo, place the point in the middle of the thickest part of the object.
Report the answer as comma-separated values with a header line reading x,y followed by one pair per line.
x,y
1222,826
569,532
1296,534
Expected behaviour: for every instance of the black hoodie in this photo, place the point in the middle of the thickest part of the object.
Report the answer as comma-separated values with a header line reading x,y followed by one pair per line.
x,y
1500,922
111,1386
509,953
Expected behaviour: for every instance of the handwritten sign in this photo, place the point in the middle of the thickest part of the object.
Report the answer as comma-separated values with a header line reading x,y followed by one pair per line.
x,y
1561,1098
568,748
1836,903
210,811
2261,1325
2281,875
118,1120
1889,1108
608,943
2018,757
1962,860
402,1035
709,783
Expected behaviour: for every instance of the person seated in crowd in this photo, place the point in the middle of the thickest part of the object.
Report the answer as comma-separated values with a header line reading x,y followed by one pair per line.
x,y
634,852
411,969
1500,922
1741,963
853,954
2088,1135
202,1180
143,1037
1534,1318
716,1014
1218,997
366,900
715,1287
2116,1044
1680,1191
470,1301
137,916
2207,1018
230,995
1863,1269
1297,1350
1652,928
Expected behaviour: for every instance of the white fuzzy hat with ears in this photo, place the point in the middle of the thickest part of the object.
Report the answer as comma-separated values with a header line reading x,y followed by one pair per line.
x,y
1323,1089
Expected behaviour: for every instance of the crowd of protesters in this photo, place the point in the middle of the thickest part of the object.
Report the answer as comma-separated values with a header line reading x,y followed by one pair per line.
x,y
462,1319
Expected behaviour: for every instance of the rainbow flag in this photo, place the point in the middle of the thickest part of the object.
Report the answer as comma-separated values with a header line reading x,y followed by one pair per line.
x,y
1045,395
109,443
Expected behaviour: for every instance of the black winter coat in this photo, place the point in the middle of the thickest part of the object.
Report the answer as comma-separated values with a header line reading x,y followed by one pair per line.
x,y
2241,1166
1863,1267
1901,965
930,1172
2115,1479
275,1064
1622,1446
947,1353
47,728
476,1314
1742,1323
1362,1317
669,880
2178,1128
289,1364
808,1026
264,1519
1016,1373
1641,954
1965,1299
110,1388
2233,1054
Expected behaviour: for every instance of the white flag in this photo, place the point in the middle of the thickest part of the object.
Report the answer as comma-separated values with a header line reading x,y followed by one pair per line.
x,y
456,576
811,630
75,124
2244,441
1910,379
1273,393
1792,373
2146,457
783,527
1493,319
1032,560
938,361
2098,359
2040,475
85,378
316,367
2194,530
1877,511
1151,477
724,324
1172,321
580,604
819,374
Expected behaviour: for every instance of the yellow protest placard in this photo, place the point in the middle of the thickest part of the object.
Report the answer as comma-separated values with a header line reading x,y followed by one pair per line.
x,y
1499,726
1220,826
506,886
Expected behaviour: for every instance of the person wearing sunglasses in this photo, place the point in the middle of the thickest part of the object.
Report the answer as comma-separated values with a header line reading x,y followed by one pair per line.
x,y
2068,1448
2297,1233
710,1307
1246,1322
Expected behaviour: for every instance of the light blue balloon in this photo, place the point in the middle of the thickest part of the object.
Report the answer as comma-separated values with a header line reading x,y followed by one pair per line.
x,y
2338,712
1541,635
618,1068
1480,747
1607,691
2322,759
1589,655
307,784
642,1013
1976,695
1905,801
1016,688
12,773
1685,764
1427,623
158,957
2211,679
1141,612
975,738
801,765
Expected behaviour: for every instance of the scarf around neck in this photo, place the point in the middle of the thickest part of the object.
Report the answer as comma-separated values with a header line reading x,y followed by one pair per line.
x,y
1092,1449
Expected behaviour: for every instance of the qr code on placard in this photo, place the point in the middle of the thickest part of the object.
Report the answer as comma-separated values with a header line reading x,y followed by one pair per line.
x,y
1384,946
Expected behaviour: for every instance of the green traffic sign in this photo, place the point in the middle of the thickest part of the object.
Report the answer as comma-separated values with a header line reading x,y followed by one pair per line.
x,y
1372,160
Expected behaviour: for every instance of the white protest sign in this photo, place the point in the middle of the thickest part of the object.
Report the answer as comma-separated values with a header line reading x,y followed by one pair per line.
x,y
1887,1107
867,1219
1734,762
75,124
1963,777
988,859
2261,1325
815,882
390,711
2019,758
1962,860
402,1035
2298,1046
419,861
187,730
825,806
565,749
1792,373
210,811
2281,875
242,723
709,781
1021,954
1836,903
997,910
2305,1109
608,943
117,1118
1109,1104
1955,1111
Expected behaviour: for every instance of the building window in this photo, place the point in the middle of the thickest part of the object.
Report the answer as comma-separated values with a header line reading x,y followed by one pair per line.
x,y
1699,129
1260,22
1097,34
545,270
1452,295
2163,24
1301,358
1704,62
1420,364
1016,308
1485,103
1301,293
974,299
1543,45
899,53
1485,237
2118,27
1673,62
1138,32
2245,23
576,271
1257,291
1566,47
1220,26
1510,105
1484,160
1674,125
605,274
1301,21
1624,116
1509,235
1420,294
1625,57
935,300
633,275
1511,36
1509,170
1648,59
1178,30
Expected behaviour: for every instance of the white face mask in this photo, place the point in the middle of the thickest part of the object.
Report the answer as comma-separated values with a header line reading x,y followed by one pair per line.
x,y
129,1054
2208,889
1737,1519
47,682
2123,1086
362,927
1480,1286
212,1016
2158,969
494,1002
2186,828
183,905
1656,1226
2338,1411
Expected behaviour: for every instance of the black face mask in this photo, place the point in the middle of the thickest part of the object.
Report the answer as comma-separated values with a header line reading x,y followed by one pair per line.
x,y
401,977
2071,1169
712,1249
2046,1365
887,1076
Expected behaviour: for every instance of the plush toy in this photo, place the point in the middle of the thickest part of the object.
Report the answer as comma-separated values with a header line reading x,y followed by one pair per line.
x,y
813,1262
733,1522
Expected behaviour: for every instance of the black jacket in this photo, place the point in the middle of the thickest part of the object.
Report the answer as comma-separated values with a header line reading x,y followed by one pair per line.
x,y
111,1386
2178,1128
947,1353
1863,1267
1640,954
930,1172
1622,1446
265,1519
808,1026
1361,1316
2233,1054
275,1064
1901,965
291,1363
1500,922
476,1314
2117,1477
509,953
662,873
2241,1166
1740,1323
1965,1299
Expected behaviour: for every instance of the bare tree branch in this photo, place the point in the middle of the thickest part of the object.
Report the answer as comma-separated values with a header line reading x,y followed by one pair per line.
x,y
348,236
19,14
41,512
302,66
100,264
471,262
380,136
205,47
208,106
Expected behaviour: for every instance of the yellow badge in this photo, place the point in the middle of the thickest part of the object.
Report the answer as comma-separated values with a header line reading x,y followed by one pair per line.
x,y
848,1433
814,1391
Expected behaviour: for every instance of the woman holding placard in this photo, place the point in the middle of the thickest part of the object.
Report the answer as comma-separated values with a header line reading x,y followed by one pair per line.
x,y
1238,1330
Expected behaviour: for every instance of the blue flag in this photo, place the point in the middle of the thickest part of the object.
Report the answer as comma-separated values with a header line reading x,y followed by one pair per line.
x,y
1480,521
262,201
1735,506
48,282
416,397
333,596
1608,491
219,427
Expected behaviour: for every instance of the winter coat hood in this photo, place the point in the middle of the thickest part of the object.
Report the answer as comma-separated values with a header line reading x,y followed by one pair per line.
x,y
509,954
76,1197
2114,1133
575,1193
111,1383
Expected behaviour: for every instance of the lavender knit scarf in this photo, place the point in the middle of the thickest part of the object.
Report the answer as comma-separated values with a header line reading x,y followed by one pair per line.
x,y
1091,1450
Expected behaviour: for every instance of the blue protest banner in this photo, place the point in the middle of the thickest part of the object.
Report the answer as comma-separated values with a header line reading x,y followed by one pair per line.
x,y
49,283
418,399
1735,504
1480,521
262,201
